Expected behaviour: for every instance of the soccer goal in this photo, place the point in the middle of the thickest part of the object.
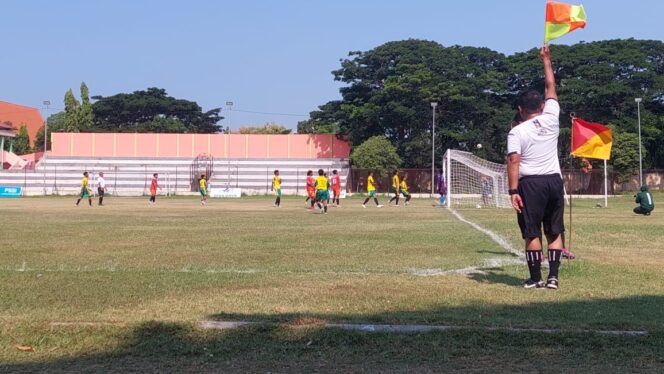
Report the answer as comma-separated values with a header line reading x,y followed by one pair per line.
x,y
474,182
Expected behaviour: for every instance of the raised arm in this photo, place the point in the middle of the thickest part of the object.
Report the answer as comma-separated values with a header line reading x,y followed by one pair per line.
x,y
549,78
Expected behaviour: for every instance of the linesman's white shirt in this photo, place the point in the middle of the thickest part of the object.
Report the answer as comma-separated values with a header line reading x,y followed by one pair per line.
x,y
101,182
536,140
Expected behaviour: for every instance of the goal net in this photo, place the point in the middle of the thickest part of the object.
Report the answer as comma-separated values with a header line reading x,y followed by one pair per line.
x,y
474,182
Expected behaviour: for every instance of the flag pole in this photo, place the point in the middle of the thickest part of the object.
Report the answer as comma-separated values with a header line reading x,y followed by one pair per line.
x,y
571,185
606,186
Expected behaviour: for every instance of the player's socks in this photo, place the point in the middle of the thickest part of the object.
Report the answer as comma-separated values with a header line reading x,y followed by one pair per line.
x,y
319,205
366,201
376,201
325,208
534,260
278,202
90,202
397,200
554,262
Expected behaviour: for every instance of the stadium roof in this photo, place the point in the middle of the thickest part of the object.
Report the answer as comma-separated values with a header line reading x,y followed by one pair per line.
x,y
17,115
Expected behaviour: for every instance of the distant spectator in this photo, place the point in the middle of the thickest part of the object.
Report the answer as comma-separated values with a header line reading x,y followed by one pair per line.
x,y
442,190
485,190
645,201
101,188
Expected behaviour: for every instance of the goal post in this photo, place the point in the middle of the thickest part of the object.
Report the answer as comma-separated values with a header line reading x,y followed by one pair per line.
x,y
474,182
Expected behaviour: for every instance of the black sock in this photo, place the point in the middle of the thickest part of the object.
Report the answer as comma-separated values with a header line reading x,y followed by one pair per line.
x,y
101,200
278,201
397,200
366,201
554,262
376,201
90,201
319,206
78,201
325,208
534,260
312,203
391,200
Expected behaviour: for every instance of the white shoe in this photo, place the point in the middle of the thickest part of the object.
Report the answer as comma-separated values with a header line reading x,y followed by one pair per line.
x,y
379,206
364,206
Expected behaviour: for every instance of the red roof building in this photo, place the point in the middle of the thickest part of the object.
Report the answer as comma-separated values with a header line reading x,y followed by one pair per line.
x,y
19,115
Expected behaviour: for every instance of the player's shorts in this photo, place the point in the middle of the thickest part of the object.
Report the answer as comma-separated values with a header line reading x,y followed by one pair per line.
x,y
322,195
543,205
202,191
84,192
100,191
153,192
394,190
311,193
405,193
336,191
372,193
277,191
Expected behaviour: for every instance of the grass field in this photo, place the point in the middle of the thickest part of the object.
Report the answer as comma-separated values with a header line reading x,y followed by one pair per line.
x,y
121,288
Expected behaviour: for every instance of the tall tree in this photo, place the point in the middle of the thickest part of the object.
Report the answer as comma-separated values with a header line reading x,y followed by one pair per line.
x,y
387,91
72,117
152,110
85,116
21,143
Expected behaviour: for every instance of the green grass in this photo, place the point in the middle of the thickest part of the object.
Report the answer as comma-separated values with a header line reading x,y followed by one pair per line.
x,y
142,276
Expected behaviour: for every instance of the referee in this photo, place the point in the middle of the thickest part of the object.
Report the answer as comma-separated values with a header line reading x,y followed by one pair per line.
x,y
535,181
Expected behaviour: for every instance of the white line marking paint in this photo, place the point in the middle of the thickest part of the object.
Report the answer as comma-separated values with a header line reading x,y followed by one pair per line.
x,y
495,237
407,328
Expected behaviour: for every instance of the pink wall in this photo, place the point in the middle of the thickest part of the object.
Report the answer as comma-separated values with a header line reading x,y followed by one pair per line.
x,y
293,146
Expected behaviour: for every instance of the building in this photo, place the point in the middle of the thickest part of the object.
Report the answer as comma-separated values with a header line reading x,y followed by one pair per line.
x,y
18,115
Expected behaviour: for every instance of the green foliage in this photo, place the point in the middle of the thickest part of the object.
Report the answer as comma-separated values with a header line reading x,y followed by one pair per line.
x,y
152,110
56,122
21,143
388,90
376,153
268,128
625,155
72,118
85,116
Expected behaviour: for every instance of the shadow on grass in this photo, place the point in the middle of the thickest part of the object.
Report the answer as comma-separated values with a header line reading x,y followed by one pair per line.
x,y
298,342
496,275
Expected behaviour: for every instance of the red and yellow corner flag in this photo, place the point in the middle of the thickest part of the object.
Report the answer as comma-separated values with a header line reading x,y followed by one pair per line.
x,y
562,19
591,140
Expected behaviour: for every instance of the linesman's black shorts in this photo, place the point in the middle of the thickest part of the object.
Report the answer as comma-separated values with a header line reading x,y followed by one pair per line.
x,y
543,204
100,191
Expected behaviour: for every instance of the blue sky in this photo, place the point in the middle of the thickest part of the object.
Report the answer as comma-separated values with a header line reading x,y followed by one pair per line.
x,y
265,56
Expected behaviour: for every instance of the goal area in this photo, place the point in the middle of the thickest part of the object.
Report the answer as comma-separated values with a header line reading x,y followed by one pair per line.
x,y
474,182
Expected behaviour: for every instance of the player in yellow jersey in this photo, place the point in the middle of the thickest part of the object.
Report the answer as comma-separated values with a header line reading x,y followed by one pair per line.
x,y
404,189
202,189
395,188
276,187
371,190
85,190
322,191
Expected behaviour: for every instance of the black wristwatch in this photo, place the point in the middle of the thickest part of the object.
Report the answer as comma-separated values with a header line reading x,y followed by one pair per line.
x,y
513,192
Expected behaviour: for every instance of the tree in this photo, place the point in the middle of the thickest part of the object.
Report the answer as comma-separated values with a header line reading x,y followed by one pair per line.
x,y
21,143
376,153
56,123
152,110
85,116
72,118
268,128
625,155
387,91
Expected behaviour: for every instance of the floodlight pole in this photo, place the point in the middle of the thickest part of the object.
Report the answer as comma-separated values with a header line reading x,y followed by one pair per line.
x,y
433,146
638,111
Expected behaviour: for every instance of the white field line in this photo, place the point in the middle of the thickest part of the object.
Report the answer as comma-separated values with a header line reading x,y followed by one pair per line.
x,y
495,237
486,265
407,328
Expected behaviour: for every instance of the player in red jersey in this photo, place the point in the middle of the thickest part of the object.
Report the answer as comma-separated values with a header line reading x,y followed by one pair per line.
x,y
311,189
336,188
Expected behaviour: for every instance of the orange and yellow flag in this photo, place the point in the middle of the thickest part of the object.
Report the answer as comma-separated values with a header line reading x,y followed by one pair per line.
x,y
591,140
562,19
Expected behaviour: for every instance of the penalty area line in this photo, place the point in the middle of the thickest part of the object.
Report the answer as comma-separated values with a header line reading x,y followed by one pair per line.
x,y
408,328
495,237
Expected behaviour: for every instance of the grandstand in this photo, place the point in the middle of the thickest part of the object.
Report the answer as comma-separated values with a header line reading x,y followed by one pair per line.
x,y
128,171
